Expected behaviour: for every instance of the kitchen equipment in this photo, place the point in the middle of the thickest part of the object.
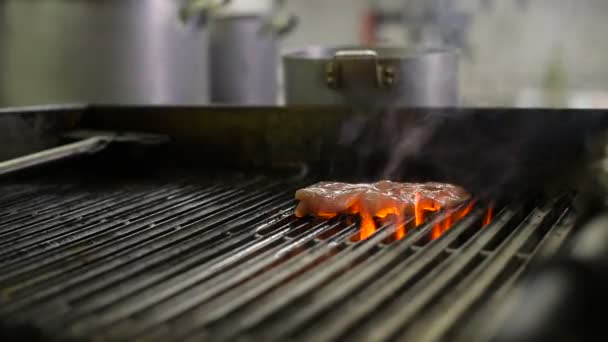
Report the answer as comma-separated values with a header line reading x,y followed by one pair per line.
x,y
169,257
244,55
244,52
28,130
88,142
387,76
107,51
90,145
178,244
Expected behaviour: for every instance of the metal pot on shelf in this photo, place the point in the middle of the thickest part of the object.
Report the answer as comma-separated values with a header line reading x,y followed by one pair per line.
x,y
372,76
244,56
106,51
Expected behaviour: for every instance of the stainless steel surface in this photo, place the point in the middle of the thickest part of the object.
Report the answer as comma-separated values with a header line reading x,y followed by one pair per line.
x,y
86,146
244,53
105,51
370,76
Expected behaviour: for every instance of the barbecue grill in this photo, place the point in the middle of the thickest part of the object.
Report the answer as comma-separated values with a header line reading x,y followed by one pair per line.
x,y
132,242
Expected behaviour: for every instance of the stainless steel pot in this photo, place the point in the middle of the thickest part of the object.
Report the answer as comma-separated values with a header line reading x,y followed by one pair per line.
x,y
371,76
244,63
103,51
243,59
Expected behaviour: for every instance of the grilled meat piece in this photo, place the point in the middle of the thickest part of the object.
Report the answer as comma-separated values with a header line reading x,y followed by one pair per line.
x,y
327,199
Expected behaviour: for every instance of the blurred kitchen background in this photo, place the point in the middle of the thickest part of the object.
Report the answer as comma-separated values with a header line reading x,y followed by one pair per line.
x,y
525,53
515,52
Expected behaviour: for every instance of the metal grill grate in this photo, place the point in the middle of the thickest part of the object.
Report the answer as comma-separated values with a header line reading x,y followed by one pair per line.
x,y
227,260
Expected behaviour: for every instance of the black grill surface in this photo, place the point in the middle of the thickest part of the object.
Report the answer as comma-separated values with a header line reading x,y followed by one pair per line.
x,y
194,259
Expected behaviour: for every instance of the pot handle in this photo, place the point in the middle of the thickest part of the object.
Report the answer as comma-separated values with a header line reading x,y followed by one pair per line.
x,y
358,63
197,8
281,24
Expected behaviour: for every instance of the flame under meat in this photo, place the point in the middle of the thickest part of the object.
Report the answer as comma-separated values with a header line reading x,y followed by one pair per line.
x,y
487,219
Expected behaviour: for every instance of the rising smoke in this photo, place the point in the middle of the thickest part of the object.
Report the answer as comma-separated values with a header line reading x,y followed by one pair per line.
x,y
488,151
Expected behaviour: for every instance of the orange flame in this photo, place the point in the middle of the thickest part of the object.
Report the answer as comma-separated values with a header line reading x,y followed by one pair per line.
x,y
325,215
400,232
487,219
442,226
447,224
384,212
418,212
452,217
436,232
421,208
464,212
398,215
368,226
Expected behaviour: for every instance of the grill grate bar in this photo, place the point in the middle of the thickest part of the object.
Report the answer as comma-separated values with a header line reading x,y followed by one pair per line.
x,y
444,275
477,324
271,305
470,289
175,263
342,318
71,210
11,192
57,205
191,283
156,238
344,258
557,234
175,309
30,205
206,314
26,197
178,259
348,286
85,241
61,226
23,221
